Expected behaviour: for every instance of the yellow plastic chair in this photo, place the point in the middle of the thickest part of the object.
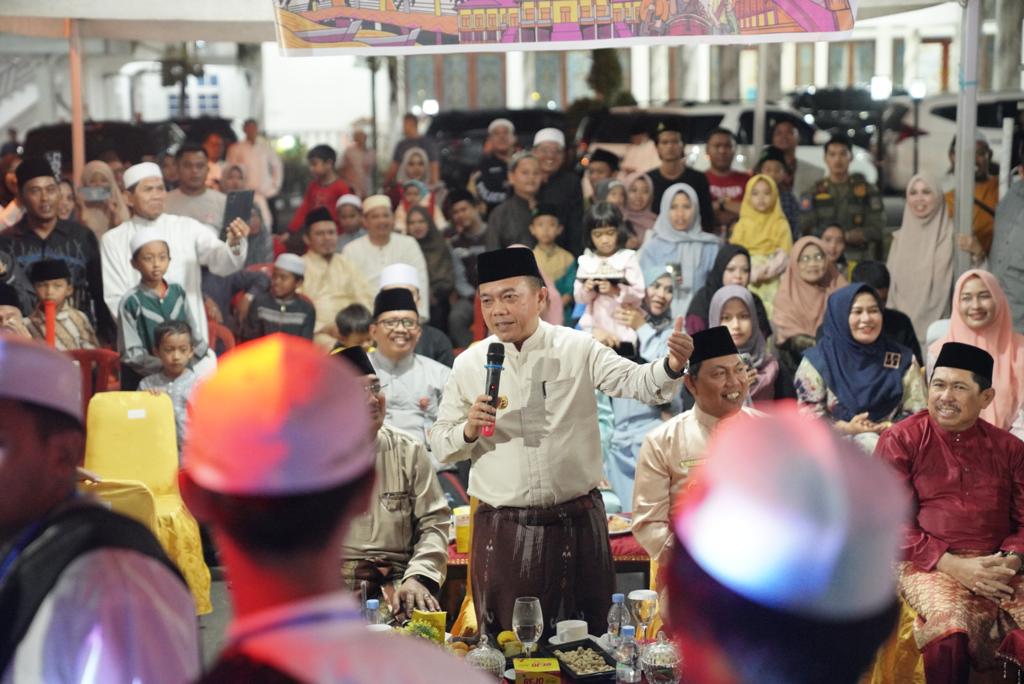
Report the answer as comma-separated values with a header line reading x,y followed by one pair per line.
x,y
130,499
130,436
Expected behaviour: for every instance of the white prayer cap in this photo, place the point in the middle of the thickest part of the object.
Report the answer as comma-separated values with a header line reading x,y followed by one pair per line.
x,y
278,417
376,202
32,372
790,516
143,236
133,174
499,123
349,199
292,263
399,274
549,135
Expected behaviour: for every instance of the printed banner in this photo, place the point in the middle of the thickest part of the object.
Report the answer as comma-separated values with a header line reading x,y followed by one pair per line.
x,y
307,27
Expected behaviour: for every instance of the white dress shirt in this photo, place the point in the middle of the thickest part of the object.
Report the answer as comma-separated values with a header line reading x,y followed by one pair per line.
x,y
546,447
400,249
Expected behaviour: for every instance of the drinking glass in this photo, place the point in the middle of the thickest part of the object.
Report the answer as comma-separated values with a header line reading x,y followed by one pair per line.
x,y
643,604
528,622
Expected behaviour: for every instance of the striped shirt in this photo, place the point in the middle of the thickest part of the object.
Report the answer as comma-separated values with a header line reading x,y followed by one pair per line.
x,y
73,329
140,312
267,315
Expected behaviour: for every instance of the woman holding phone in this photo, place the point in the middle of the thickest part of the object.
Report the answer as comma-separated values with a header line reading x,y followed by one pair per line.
x,y
101,205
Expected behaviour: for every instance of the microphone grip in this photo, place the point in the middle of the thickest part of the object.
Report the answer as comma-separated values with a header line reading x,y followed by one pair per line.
x,y
493,380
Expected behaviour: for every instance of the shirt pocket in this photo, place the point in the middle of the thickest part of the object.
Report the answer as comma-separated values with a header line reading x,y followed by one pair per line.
x,y
396,513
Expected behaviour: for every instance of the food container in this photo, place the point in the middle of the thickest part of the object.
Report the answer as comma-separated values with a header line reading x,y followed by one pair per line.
x,y
485,657
571,630
563,652
537,671
461,514
661,662
434,619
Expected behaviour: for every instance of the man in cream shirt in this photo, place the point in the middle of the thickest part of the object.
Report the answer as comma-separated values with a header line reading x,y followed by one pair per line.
x,y
718,381
540,529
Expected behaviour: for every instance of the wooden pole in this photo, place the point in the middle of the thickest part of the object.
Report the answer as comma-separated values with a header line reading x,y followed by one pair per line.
x,y
77,119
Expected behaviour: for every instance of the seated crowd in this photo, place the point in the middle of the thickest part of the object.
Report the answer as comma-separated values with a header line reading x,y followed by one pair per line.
x,y
641,311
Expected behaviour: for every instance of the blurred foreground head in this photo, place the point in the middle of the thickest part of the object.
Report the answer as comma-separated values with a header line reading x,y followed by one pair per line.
x,y
783,567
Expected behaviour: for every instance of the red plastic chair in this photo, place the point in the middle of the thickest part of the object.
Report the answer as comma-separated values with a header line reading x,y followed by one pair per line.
x,y
265,269
221,338
100,370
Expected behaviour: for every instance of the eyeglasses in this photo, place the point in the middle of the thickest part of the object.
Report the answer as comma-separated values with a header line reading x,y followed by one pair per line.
x,y
373,388
395,323
807,258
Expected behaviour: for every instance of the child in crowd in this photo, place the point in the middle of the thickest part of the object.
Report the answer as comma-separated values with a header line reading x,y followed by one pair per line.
x,y
175,352
834,238
773,164
281,309
350,220
601,166
152,302
416,194
51,279
353,323
554,262
324,188
509,222
607,277
763,229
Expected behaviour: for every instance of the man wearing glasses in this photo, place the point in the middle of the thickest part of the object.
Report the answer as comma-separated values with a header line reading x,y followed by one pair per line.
x,y
399,547
412,383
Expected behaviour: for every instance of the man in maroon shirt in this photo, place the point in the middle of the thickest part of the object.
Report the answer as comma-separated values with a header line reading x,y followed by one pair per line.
x,y
324,188
962,550
726,184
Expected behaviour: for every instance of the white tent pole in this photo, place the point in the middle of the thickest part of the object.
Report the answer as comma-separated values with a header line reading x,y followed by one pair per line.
x,y
760,110
966,116
77,122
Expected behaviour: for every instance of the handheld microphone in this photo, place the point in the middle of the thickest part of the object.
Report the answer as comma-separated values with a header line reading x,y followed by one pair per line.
x,y
495,357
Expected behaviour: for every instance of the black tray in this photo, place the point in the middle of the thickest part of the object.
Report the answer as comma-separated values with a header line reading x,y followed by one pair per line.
x,y
550,649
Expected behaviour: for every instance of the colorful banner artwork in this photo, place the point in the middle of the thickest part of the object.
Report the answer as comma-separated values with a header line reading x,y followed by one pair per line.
x,y
417,26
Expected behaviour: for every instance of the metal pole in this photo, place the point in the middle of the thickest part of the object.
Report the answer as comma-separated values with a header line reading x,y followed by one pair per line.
x,y
967,117
372,63
760,109
77,118
917,136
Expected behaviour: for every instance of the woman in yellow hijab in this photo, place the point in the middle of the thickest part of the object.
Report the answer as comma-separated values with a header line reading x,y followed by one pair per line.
x,y
764,230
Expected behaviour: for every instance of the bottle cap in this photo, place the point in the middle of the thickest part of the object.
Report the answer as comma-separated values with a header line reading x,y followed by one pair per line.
x,y
618,598
628,631
373,604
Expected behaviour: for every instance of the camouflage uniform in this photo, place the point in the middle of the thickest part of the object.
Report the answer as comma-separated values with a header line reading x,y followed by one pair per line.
x,y
853,204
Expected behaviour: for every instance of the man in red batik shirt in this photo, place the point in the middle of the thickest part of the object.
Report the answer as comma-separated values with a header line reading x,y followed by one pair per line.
x,y
962,550
727,186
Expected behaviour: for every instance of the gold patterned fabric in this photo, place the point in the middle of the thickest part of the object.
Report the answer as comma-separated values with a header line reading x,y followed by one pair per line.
x,y
130,436
945,607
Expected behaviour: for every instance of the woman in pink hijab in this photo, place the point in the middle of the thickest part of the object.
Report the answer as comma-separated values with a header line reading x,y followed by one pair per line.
x,y
981,317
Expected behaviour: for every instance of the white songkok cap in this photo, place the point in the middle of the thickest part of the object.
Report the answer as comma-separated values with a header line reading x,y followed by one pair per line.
x,y
144,170
278,417
349,199
498,123
32,372
549,135
143,236
292,263
819,523
399,274
376,202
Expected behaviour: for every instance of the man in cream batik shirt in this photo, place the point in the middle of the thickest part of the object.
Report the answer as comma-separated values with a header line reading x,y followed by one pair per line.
x,y
540,529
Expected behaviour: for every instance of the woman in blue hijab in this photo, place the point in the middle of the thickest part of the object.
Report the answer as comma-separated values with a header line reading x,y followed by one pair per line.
x,y
856,377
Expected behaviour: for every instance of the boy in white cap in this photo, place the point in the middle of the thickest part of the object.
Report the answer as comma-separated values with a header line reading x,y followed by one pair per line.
x,y
782,566
192,243
560,187
349,209
490,181
381,247
85,594
152,302
433,343
282,309
279,461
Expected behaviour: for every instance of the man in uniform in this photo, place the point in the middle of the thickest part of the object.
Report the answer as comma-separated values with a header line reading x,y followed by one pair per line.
x,y
400,545
540,529
847,200
963,547
717,379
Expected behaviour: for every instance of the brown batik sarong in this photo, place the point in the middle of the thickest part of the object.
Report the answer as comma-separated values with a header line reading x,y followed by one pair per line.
x,y
560,554
945,607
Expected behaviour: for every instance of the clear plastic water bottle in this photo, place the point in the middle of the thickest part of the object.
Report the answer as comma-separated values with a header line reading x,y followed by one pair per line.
x,y
618,617
372,612
627,667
